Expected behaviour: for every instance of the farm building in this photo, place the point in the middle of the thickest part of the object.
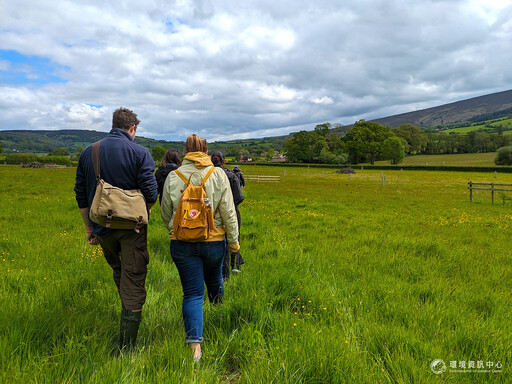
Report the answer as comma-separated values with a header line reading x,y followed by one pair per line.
x,y
278,158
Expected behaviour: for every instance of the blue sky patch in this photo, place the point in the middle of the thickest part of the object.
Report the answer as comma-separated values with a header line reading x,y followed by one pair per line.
x,y
16,68
169,26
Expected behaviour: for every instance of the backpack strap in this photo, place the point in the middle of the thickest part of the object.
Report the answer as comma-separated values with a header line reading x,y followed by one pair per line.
x,y
188,181
207,176
181,176
96,159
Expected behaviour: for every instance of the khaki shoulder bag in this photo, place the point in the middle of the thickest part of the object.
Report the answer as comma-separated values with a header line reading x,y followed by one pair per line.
x,y
113,207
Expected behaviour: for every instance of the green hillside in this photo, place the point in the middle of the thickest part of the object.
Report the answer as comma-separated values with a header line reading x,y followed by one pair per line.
x,y
490,126
42,142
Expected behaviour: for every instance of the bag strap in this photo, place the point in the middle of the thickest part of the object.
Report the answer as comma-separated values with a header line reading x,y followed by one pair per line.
x,y
207,176
181,176
96,159
188,181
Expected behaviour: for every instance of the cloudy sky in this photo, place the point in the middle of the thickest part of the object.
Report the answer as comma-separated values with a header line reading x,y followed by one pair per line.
x,y
244,69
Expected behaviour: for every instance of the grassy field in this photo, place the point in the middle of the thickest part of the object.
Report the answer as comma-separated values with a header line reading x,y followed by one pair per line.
x,y
506,123
346,281
458,160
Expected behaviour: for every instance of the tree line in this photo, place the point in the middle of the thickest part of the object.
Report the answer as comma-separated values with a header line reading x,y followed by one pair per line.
x,y
365,142
369,141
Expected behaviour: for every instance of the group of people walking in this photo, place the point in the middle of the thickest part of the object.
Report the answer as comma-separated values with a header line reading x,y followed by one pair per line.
x,y
208,261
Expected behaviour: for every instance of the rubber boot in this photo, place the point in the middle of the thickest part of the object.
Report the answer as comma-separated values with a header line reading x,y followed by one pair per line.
x,y
129,328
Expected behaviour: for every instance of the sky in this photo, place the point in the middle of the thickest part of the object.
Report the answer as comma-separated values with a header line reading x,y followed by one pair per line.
x,y
244,69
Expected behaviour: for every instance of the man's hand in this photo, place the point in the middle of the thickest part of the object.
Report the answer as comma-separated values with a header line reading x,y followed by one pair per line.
x,y
91,238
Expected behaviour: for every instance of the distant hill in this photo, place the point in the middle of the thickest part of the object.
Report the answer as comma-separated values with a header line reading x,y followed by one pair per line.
x,y
42,142
71,139
475,109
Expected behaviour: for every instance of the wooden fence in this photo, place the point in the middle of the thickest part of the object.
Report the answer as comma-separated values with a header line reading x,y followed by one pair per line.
x,y
264,178
493,187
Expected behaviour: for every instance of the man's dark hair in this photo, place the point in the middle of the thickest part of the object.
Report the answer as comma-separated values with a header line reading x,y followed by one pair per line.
x,y
124,118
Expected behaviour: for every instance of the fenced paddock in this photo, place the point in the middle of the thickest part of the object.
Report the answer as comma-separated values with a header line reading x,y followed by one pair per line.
x,y
493,187
263,178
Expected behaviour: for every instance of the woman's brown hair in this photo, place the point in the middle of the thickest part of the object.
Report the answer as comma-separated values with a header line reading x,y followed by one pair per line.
x,y
171,156
195,143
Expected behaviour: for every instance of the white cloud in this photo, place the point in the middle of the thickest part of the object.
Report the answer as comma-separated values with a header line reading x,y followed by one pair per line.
x,y
229,69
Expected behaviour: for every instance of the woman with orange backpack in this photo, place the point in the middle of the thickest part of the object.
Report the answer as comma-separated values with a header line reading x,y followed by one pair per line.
x,y
198,224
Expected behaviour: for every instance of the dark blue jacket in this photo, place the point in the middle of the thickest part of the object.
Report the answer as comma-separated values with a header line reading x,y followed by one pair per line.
x,y
122,163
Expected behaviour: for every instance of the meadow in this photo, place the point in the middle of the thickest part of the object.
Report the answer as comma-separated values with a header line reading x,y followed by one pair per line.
x,y
345,281
456,160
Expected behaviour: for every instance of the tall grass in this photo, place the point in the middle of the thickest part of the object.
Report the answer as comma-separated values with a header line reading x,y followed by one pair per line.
x,y
346,280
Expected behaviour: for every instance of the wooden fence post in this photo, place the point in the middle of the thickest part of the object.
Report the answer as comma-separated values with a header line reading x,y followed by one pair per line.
x,y
492,192
470,191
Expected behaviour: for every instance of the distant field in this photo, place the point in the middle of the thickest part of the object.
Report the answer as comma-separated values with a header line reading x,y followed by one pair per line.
x,y
463,159
505,123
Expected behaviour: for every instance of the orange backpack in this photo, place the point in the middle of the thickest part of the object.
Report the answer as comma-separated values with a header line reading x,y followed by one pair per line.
x,y
193,220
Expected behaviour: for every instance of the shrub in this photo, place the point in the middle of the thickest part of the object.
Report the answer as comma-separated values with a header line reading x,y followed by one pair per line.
x,y
25,158
18,158
504,156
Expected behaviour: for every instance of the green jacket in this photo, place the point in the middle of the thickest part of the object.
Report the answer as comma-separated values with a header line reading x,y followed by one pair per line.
x,y
218,191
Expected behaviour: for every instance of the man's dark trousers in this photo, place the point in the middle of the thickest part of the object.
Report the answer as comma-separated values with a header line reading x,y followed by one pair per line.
x,y
126,252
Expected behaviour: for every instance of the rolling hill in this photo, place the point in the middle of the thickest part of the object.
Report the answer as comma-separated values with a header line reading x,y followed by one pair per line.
x,y
475,109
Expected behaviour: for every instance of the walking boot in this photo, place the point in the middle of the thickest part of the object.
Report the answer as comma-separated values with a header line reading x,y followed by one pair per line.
x,y
129,328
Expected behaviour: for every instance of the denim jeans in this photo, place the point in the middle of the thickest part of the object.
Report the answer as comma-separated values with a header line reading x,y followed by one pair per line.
x,y
198,263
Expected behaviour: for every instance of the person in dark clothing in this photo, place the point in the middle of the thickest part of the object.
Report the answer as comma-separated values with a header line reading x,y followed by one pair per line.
x,y
232,261
126,165
170,162
240,175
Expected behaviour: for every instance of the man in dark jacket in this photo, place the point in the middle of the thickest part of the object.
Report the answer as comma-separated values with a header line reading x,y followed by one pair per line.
x,y
240,175
233,260
126,165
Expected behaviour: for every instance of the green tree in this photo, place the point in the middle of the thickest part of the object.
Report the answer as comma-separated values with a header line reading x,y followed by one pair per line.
x,y
393,149
366,139
59,152
319,145
323,129
327,157
158,153
335,143
416,138
299,147
504,156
